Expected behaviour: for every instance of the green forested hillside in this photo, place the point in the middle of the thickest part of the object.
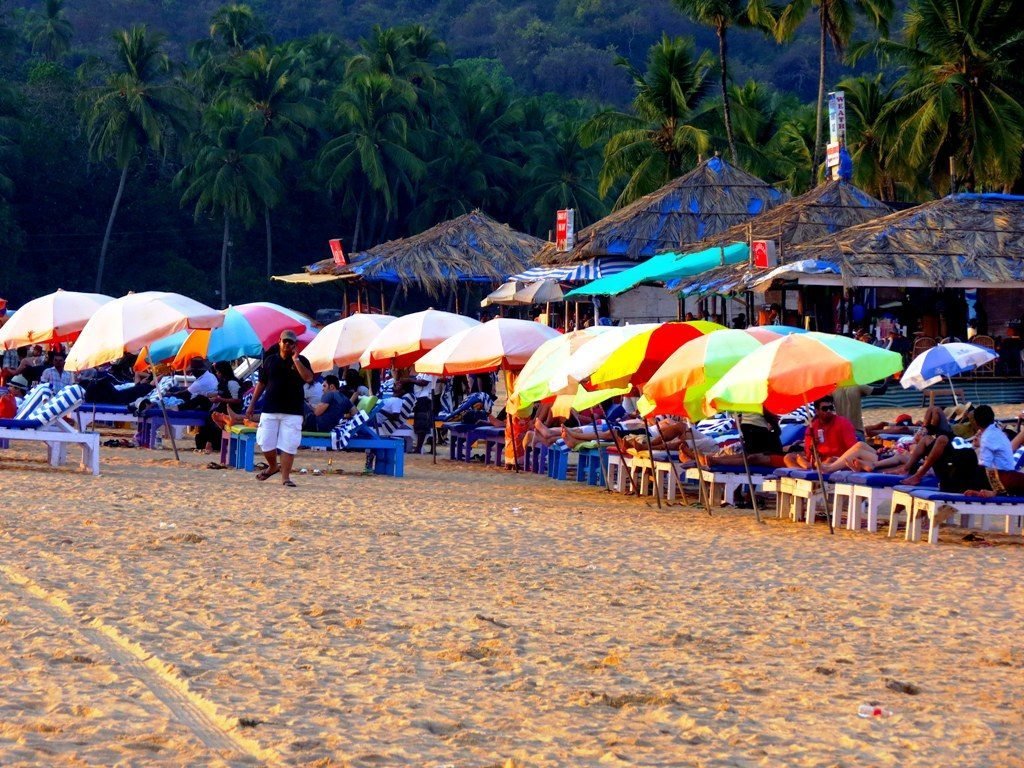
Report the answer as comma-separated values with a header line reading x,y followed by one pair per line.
x,y
202,147
564,47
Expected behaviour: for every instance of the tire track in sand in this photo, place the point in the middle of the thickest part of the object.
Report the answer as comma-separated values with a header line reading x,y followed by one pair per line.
x,y
189,708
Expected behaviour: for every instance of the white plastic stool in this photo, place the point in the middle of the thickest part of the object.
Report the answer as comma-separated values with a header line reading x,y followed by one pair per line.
x,y
842,504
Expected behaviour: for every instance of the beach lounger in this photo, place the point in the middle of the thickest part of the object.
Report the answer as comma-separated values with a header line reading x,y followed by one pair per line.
x,y
45,423
798,493
937,506
724,481
859,497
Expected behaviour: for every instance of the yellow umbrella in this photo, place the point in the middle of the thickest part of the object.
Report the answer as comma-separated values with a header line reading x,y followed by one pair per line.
x,y
636,360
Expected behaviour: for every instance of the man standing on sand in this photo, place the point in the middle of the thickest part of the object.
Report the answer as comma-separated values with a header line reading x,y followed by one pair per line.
x,y
280,430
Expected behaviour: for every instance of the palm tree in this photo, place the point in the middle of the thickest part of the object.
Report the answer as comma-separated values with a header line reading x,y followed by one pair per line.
x,y
837,20
793,146
234,29
406,54
759,111
721,15
50,33
136,108
232,172
269,87
652,146
962,95
370,155
560,175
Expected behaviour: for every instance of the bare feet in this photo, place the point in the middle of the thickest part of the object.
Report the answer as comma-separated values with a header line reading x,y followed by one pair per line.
x,y
980,494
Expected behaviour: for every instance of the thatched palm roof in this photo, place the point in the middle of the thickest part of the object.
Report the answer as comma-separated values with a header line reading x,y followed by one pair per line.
x,y
825,210
709,199
472,247
961,239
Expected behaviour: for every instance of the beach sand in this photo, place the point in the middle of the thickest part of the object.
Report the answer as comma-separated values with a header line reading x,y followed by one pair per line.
x,y
166,614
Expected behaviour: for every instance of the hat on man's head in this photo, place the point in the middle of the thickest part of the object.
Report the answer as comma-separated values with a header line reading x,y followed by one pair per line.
x,y
904,420
289,336
19,381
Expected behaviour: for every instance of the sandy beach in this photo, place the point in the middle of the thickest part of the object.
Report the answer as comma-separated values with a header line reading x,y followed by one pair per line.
x,y
462,616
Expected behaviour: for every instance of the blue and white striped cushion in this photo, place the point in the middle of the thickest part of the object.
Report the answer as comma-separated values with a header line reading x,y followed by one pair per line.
x,y
33,400
801,415
345,431
61,404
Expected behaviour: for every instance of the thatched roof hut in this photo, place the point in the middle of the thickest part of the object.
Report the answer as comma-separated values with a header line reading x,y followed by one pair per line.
x,y
825,210
470,248
960,241
709,199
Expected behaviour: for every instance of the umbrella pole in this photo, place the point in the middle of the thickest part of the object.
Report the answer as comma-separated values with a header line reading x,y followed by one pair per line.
x,y
622,453
746,466
953,390
163,411
650,450
701,490
821,477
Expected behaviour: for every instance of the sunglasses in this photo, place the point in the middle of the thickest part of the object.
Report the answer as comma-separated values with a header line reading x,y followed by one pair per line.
x,y
829,408
288,341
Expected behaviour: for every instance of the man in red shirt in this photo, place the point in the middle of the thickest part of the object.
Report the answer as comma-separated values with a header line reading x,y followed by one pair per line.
x,y
835,438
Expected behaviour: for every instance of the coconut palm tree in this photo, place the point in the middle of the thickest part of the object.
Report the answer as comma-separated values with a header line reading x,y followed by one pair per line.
x,y
837,21
560,175
653,145
721,15
232,172
962,95
270,87
369,155
50,32
136,108
234,29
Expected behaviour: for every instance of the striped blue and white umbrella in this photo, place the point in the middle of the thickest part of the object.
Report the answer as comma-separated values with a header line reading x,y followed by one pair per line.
x,y
943,362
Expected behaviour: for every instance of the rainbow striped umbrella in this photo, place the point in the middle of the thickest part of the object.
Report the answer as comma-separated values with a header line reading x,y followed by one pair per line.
x,y
679,385
798,369
635,360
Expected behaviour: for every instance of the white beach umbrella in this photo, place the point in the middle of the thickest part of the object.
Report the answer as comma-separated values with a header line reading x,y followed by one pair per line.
x,y
131,322
505,294
54,318
499,343
540,292
343,341
405,340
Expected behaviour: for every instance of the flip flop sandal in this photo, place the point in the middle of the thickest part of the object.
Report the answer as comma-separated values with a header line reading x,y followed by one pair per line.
x,y
215,465
266,473
288,484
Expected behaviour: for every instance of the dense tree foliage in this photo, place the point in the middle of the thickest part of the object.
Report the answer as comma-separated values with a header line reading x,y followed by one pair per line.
x,y
203,163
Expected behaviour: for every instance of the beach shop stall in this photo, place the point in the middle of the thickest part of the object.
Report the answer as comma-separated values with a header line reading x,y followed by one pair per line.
x,y
452,261
708,200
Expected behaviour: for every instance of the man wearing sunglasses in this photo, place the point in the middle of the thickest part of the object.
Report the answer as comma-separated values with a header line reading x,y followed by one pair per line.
x,y
835,440
280,431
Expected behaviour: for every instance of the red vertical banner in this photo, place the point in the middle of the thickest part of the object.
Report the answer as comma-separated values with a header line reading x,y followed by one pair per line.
x,y
565,229
338,252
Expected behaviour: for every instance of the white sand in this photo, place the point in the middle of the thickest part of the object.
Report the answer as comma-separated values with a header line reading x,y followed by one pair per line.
x,y
470,617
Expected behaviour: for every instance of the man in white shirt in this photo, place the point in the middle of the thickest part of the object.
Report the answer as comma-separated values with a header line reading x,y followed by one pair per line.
x,y
423,412
205,383
994,449
56,376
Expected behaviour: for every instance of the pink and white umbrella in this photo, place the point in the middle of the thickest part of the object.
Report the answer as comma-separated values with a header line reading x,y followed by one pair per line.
x,y
405,340
131,322
51,319
343,341
499,343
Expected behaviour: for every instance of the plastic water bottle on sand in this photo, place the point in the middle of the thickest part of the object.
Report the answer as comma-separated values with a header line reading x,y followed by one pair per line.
x,y
873,710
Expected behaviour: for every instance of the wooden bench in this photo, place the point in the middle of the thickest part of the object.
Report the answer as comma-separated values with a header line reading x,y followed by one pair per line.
x,y
930,395
389,452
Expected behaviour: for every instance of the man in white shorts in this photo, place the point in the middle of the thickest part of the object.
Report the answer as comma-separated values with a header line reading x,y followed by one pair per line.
x,y
280,431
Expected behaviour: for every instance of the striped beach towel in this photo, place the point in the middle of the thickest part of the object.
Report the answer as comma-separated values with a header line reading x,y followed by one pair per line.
x,y
388,424
344,432
33,400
